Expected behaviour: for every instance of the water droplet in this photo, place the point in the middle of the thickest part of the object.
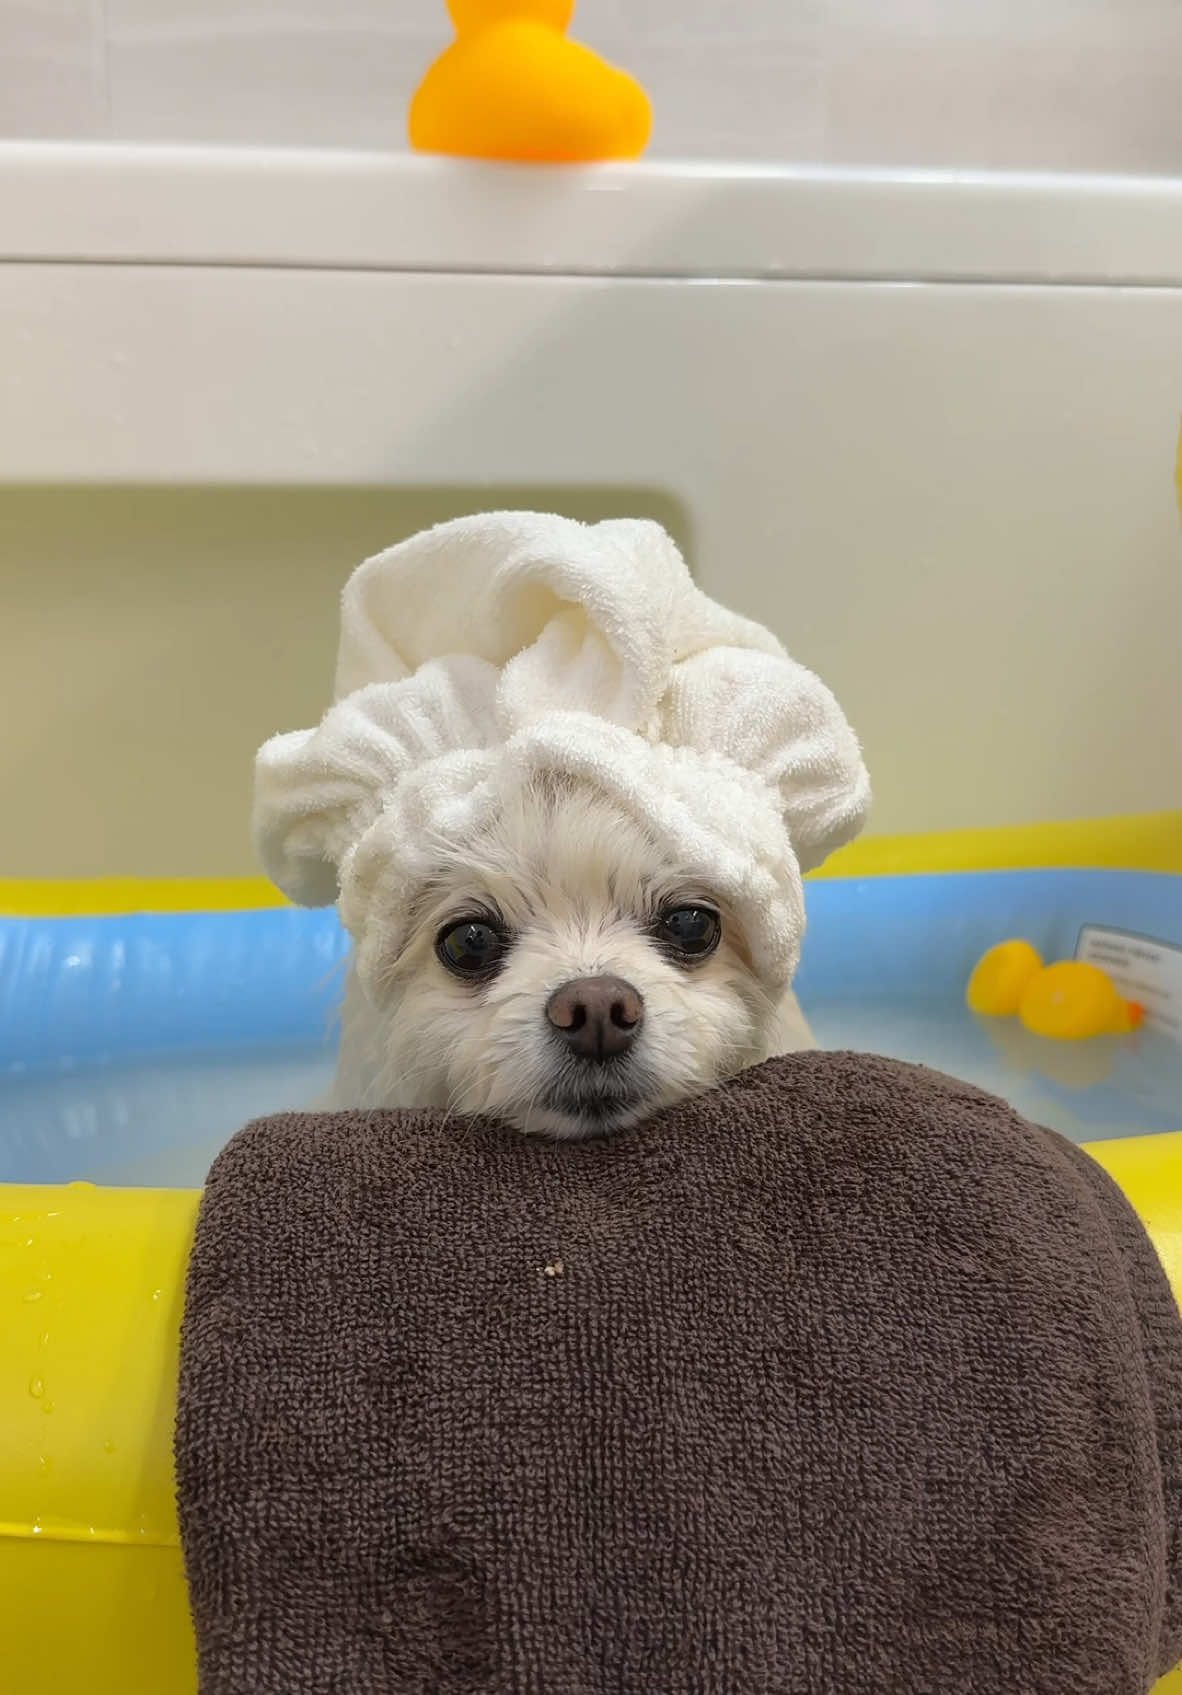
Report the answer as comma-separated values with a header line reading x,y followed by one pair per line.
x,y
45,1338
47,1405
36,1387
79,1183
108,1446
36,1527
45,1463
30,1241
157,1293
33,1295
91,1531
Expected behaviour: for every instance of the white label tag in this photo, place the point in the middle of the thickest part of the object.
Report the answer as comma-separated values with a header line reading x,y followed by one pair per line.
x,y
1144,970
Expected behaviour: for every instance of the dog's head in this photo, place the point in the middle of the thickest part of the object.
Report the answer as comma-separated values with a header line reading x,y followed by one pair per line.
x,y
563,801
560,974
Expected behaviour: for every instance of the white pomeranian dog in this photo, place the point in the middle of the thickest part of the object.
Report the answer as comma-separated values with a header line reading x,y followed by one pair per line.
x,y
572,872
561,974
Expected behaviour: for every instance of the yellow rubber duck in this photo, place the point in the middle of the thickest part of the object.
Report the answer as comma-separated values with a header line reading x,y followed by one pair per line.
x,y
512,86
1001,978
1069,1002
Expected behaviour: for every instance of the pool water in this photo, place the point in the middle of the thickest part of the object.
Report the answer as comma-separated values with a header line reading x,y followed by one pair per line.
x,y
132,1048
160,1121
1090,1091
156,1121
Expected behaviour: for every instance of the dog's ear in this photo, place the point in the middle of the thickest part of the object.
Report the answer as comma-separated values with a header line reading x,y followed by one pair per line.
x,y
775,718
316,792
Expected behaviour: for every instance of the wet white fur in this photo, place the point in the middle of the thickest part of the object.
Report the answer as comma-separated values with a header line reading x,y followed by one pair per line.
x,y
578,885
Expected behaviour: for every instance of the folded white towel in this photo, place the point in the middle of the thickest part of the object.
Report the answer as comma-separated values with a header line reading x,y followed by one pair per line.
x,y
487,651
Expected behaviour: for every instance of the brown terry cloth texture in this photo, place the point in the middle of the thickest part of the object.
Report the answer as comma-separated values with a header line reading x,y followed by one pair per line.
x,y
842,1380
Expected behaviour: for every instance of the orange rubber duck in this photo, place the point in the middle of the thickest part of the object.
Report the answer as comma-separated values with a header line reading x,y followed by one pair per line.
x,y
512,86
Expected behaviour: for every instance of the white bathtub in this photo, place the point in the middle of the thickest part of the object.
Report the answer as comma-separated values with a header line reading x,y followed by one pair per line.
x,y
922,425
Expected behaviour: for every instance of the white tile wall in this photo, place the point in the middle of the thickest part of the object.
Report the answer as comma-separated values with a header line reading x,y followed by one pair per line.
x,y
52,82
1058,84
1054,84
301,73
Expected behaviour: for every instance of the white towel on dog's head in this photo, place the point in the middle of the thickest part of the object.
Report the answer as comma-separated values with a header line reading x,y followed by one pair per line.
x,y
490,651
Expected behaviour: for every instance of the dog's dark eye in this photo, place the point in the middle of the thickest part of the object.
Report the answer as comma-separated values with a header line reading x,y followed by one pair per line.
x,y
692,931
471,948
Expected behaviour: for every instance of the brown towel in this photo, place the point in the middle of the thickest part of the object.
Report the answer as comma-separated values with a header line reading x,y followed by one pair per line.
x,y
842,1380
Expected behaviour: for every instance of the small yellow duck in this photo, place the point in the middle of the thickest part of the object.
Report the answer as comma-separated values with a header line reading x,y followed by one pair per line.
x,y
1069,1002
512,86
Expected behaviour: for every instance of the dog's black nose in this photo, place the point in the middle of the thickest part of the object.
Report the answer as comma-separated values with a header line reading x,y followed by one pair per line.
x,y
597,1017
